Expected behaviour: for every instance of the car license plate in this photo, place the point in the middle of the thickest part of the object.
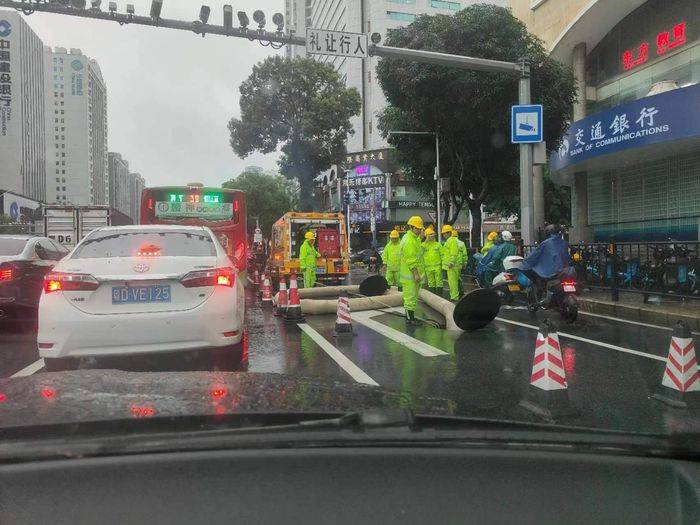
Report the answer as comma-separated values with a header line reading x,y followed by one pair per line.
x,y
514,287
569,288
320,270
141,294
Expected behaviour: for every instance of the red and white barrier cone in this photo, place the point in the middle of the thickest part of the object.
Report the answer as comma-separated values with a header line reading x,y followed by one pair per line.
x,y
343,321
293,313
266,291
548,395
680,386
282,301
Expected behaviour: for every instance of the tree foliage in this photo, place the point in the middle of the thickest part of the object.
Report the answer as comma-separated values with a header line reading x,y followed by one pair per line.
x,y
7,225
469,109
300,106
268,197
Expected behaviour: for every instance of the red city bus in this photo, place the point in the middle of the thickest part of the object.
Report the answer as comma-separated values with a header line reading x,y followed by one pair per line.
x,y
222,210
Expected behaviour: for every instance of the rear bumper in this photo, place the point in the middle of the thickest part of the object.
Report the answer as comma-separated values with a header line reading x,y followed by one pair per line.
x,y
74,333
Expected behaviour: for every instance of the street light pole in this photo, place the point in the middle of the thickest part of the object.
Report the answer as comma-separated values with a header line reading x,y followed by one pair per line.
x,y
436,174
527,215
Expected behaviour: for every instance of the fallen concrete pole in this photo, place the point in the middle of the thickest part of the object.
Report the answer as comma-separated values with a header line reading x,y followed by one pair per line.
x,y
358,304
442,306
326,291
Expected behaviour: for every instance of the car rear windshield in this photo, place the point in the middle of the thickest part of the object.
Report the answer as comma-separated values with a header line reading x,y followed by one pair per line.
x,y
138,243
11,246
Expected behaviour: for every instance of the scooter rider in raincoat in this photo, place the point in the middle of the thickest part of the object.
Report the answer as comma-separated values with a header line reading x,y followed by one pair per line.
x,y
433,262
451,262
391,259
490,241
307,259
549,259
411,267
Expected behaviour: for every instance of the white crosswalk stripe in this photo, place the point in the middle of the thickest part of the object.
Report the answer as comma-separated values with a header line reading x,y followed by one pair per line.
x,y
424,349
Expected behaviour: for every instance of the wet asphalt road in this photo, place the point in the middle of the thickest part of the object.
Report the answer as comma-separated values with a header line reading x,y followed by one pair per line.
x,y
612,366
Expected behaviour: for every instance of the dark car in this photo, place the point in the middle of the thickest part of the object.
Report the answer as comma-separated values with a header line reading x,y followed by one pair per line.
x,y
24,260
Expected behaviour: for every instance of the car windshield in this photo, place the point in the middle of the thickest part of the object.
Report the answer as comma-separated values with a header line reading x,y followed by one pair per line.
x,y
484,209
125,243
11,246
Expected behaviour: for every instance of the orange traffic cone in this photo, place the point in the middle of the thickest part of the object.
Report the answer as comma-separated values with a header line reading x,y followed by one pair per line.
x,y
547,394
266,291
343,321
681,380
293,313
281,307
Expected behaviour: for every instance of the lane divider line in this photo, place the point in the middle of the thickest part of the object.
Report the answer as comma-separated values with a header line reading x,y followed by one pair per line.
x,y
589,341
424,349
638,323
30,369
336,355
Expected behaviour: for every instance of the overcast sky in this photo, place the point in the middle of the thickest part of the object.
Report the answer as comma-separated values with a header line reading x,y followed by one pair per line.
x,y
170,93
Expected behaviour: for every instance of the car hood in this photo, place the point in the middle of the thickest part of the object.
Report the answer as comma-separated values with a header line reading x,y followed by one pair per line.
x,y
103,395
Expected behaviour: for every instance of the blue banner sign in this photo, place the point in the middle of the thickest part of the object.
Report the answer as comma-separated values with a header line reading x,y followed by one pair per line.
x,y
669,116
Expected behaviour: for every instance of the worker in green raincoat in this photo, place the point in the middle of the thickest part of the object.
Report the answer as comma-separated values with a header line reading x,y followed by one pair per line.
x,y
463,257
451,262
307,259
490,240
433,262
391,258
411,267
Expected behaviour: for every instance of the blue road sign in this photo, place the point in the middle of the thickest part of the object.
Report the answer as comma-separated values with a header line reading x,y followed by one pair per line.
x,y
526,124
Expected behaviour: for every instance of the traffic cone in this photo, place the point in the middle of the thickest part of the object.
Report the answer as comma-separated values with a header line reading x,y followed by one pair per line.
x,y
343,320
293,313
281,307
548,391
266,291
680,386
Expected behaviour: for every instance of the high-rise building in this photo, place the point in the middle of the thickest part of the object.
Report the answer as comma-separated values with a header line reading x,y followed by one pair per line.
x,y
22,143
119,183
136,186
363,16
76,129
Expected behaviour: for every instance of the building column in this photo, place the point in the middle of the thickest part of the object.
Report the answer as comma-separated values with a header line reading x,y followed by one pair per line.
x,y
581,232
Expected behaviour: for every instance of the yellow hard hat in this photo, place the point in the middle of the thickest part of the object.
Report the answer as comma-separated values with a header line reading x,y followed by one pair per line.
x,y
416,222
455,233
429,231
394,234
492,236
576,257
446,229
309,235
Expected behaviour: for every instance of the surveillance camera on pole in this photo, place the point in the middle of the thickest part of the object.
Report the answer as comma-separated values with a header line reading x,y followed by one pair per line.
x,y
376,38
78,4
259,18
96,4
130,10
113,8
243,20
228,18
204,13
278,20
156,7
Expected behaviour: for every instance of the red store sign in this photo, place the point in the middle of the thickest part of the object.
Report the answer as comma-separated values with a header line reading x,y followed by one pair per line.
x,y
665,42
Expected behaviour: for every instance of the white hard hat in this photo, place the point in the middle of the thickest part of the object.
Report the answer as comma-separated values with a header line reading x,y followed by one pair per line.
x,y
506,235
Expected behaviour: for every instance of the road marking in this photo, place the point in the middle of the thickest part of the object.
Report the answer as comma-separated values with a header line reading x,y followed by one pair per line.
x,y
29,370
589,341
409,342
336,355
638,323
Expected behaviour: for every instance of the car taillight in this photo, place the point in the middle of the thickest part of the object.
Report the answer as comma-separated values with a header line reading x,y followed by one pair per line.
x,y
69,282
5,274
213,277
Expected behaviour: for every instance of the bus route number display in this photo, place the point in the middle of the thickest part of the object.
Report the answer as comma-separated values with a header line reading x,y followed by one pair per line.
x,y
197,210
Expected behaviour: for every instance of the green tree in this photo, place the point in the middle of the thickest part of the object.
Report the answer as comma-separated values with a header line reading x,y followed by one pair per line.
x,y
268,197
301,106
469,109
557,202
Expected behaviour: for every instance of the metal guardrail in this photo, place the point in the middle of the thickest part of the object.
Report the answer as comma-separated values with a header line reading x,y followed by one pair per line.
x,y
670,268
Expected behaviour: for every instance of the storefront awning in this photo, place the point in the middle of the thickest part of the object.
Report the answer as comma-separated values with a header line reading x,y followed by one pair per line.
x,y
651,127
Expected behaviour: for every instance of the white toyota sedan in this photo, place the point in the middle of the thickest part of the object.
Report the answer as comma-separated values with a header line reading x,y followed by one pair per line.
x,y
143,291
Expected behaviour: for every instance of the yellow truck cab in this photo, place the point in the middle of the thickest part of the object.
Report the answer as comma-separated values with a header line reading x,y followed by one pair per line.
x,y
331,241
